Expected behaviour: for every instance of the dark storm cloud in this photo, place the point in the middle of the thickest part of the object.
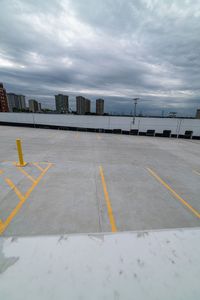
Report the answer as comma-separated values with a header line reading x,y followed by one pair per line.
x,y
118,49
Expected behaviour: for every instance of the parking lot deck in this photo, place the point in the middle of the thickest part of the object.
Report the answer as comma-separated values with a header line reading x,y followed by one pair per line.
x,y
78,182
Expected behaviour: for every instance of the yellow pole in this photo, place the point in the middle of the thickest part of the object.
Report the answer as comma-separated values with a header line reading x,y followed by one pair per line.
x,y
20,154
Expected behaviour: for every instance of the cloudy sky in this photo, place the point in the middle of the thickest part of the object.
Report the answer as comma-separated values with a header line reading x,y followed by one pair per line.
x,y
115,49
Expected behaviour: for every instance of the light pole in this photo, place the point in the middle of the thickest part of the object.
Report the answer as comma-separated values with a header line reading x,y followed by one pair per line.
x,y
135,107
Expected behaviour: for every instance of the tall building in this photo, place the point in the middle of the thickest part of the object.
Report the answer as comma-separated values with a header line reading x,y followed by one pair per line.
x,y
80,105
12,101
39,107
99,106
3,99
16,102
83,105
21,101
33,105
87,106
198,114
61,103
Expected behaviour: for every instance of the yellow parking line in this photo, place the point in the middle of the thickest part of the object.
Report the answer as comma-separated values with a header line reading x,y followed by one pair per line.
x,y
108,202
13,187
1,172
38,166
26,174
196,172
22,198
184,202
37,180
1,225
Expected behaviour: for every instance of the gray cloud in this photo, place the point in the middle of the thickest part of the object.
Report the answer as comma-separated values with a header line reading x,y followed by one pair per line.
x,y
116,49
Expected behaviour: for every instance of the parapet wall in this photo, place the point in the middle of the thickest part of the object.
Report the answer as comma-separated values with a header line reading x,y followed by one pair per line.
x,y
112,124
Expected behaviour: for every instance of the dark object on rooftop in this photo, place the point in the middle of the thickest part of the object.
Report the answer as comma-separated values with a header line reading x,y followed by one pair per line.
x,y
166,133
188,134
117,131
108,131
150,132
134,131
125,132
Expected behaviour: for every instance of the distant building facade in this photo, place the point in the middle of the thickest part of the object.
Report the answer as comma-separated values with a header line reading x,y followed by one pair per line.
x,y
80,105
39,107
3,99
198,114
83,105
87,106
61,102
21,101
33,105
12,101
16,102
99,106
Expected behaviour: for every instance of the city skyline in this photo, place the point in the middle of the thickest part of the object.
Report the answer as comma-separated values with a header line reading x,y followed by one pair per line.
x,y
72,105
11,102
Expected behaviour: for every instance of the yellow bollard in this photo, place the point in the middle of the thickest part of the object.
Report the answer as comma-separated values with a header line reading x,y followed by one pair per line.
x,y
21,162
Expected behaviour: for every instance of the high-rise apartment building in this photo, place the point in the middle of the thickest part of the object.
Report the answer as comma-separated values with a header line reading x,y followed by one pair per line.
x,y
99,106
80,105
33,105
198,114
16,102
3,99
87,106
21,101
39,107
61,102
83,105
12,101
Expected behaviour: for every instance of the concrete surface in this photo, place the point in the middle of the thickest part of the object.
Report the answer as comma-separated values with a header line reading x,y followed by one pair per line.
x,y
69,196
135,265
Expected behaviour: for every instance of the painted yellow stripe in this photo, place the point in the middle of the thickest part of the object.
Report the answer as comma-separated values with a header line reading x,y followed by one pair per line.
x,y
22,198
38,166
1,225
196,172
1,172
37,180
184,202
26,174
108,202
13,187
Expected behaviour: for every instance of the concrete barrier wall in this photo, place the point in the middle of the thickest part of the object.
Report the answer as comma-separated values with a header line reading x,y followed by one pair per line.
x,y
177,126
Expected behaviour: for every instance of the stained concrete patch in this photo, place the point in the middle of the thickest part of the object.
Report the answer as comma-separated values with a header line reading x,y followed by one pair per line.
x,y
5,262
